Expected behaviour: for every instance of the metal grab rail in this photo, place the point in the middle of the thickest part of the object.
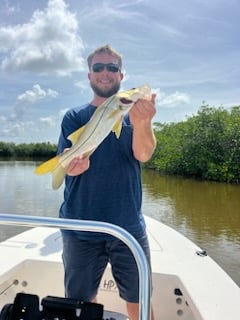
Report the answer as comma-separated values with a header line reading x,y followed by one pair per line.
x,y
95,226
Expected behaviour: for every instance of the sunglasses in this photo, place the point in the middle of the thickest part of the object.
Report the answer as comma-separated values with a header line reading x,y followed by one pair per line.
x,y
111,67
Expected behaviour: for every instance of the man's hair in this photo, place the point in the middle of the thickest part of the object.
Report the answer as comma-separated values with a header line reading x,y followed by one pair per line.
x,y
105,49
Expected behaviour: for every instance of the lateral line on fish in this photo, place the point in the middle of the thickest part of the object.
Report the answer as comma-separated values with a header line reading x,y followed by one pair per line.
x,y
92,132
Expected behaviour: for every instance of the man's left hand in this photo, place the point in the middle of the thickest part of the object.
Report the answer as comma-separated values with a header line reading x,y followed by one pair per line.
x,y
143,111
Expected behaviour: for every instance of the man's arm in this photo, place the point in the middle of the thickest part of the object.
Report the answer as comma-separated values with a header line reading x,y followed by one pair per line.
x,y
144,140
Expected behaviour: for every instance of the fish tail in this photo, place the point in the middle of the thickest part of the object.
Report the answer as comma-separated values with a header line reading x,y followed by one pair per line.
x,y
58,172
47,166
58,176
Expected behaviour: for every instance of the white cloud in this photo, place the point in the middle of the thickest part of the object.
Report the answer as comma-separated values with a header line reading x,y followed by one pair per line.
x,y
176,98
37,93
14,129
49,121
25,100
82,85
171,100
3,118
47,44
112,11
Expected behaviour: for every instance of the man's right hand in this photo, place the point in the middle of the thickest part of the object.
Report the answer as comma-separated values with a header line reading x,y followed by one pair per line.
x,y
78,165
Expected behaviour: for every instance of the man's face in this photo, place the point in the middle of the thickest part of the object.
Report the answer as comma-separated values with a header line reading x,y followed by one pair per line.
x,y
104,82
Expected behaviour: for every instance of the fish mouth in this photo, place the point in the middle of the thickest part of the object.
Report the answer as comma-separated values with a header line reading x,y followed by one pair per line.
x,y
125,101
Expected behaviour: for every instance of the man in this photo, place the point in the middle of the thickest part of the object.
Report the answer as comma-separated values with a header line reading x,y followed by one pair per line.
x,y
106,187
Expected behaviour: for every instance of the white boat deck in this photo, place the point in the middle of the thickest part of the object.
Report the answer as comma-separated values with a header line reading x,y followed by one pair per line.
x,y
185,285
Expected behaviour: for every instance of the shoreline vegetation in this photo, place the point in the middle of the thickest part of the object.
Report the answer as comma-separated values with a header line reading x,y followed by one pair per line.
x,y
204,147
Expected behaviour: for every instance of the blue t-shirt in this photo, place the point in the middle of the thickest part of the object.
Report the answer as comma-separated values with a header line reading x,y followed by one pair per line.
x,y
111,189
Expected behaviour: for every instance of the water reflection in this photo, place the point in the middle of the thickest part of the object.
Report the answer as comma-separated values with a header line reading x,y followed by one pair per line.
x,y
207,207
207,213
22,192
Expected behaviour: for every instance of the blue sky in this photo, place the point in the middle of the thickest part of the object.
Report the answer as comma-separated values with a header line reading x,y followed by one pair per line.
x,y
188,51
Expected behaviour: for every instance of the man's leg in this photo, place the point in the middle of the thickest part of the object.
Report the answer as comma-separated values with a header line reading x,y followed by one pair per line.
x,y
125,272
84,263
133,311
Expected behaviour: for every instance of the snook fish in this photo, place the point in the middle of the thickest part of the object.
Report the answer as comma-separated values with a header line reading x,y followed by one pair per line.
x,y
107,117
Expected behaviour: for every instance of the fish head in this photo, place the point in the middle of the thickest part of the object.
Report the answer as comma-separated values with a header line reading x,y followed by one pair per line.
x,y
126,99
123,101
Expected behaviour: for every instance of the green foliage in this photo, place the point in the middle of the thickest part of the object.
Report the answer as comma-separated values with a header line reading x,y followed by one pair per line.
x,y
6,149
205,146
24,150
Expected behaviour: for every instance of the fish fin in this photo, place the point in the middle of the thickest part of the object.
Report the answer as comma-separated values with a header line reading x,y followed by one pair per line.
x,y
58,176
117,128
112,115
47,166
73,137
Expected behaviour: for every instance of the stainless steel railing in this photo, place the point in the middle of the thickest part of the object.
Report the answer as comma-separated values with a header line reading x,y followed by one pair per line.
x,y
95,226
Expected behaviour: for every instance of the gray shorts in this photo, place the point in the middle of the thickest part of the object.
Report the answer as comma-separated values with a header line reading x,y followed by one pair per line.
x,y
85,262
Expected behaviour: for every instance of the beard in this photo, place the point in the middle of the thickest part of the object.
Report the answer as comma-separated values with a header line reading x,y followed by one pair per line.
x,y
105,93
